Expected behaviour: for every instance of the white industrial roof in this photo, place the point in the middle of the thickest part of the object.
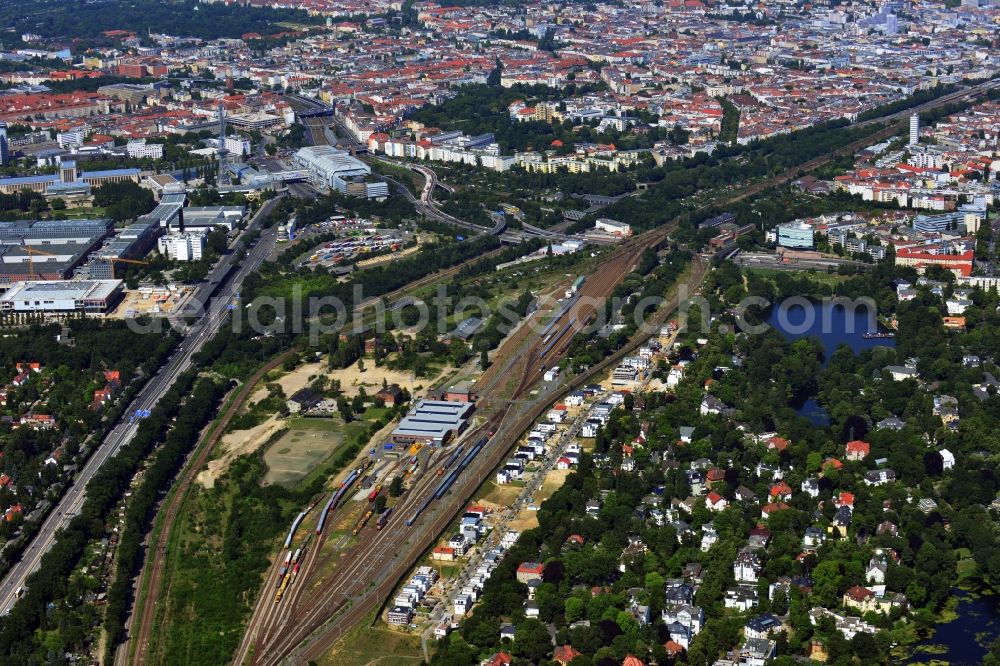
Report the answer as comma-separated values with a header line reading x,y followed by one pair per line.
x,y
62,290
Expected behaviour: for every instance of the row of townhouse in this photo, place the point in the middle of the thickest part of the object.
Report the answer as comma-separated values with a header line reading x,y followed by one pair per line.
x,y
534,447
411,595
470,592
471,529
599,414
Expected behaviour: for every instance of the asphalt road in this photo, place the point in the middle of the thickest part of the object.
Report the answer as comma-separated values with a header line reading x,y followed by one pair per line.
x,y
200,332
302,190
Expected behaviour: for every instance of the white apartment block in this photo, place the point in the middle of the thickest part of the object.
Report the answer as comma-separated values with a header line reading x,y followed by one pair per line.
x,y
71,139
237,145
138,149
182,247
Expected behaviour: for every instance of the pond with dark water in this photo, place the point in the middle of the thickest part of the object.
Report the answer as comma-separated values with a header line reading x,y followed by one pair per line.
x,y
833,325
965,640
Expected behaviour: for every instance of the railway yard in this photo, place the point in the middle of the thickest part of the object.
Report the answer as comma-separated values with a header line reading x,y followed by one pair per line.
x,y
342,560
342,577
339,578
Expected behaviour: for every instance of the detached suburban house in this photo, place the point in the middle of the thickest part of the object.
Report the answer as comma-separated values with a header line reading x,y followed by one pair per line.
x,y
901,372
857,450
530,571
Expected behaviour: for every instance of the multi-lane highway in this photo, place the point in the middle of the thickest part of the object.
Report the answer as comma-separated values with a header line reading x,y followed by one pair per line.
x,y
207,324
426,204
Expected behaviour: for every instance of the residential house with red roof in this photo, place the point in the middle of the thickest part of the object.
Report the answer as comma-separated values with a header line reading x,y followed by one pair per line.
x,y
528,571
715,502
565,654
856,450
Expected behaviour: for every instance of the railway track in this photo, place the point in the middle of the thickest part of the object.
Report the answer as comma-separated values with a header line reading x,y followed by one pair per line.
x,y
279,631
472,480
602,282
345,595
367,576
508,353
136,649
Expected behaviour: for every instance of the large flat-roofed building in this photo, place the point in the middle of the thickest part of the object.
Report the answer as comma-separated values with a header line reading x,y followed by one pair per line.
x,y
52,232
88,296
256,120
133,242
47,249
189,246
210,217
363,190
20,263
140,148
127,92
796,235
432,422
956,223
44,182
613,227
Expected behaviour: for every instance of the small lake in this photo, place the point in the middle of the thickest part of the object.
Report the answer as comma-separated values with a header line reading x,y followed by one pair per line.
x,y
833,325
813,411
965,640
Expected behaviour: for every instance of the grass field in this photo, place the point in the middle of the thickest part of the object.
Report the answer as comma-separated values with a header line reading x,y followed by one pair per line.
x,y
374,646
498,495
830,279
299,451
966,565
411,179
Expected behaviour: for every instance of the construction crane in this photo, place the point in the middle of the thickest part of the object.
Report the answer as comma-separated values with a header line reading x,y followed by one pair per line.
x,y
31,252
121,260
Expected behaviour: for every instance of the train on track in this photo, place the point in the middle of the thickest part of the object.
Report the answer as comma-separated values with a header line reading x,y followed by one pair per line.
x,y
289,569
450,479
284,567
361,523
451,460
383,518
547,331
340,493
295,528
547,347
